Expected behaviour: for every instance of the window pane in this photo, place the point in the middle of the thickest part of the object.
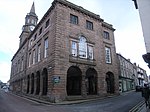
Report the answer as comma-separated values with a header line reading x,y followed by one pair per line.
x,y
90,48
106,35
34,57
40,31
73,19
82,53
108,55
47,23
32,21
89,25
82,47
29,59
45,47
39,53
74,48
22,65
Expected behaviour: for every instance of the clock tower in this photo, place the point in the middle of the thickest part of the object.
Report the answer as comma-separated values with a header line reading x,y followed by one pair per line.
x,y
30,23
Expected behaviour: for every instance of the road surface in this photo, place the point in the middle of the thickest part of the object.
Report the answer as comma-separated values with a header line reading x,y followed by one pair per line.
x,y
122,103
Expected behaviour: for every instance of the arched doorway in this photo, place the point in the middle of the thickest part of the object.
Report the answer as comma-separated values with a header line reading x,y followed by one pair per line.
x,y
37,83
28,83
74,81
110,82
32,83
91,81
45,81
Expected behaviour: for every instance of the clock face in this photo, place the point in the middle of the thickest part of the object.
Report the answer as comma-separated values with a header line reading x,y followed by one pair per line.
x,y
32,28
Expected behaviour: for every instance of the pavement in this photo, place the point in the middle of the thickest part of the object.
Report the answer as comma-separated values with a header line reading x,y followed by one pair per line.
x,y
141,107
144,109
69,101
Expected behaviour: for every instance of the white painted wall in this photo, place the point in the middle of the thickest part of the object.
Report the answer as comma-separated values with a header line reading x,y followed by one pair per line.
x,y
144,11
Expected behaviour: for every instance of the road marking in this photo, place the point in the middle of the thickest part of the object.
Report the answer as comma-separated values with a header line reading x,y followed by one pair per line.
x,y
137,107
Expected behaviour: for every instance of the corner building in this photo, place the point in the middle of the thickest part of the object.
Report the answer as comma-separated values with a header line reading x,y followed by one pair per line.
x,y
70,52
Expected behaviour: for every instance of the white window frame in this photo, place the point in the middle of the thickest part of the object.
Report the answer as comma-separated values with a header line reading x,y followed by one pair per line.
x,y
34,56
22,65
90,53
29,59
39,53
18,66
82,47
46,48
108,55
74,48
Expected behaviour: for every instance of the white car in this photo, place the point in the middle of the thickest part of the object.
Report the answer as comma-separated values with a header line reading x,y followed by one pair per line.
x,y
5,88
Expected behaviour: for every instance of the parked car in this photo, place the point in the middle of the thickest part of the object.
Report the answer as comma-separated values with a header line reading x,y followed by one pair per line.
x,y
5,88
138,88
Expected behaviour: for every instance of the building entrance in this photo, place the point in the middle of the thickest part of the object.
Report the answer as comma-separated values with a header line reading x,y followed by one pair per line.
x,y
74,81
91,81
110,82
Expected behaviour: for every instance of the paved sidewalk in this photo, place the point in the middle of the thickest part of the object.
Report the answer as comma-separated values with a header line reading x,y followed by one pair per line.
x,y
144,109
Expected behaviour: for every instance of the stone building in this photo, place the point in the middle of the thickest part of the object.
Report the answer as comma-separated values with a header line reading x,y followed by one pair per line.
x,y
130,75
141,76
126,74
70,52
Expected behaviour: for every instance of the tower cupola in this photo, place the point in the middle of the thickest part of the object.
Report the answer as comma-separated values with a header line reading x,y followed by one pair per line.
x,y
31,19
30,23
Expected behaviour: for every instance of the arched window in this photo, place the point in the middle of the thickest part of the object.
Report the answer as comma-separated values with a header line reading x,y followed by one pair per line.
x,y
82,47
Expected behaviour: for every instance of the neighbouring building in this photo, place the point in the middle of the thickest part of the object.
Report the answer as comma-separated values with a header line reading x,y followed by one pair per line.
x,y
70,52
126,74
141,76
130,75
144,8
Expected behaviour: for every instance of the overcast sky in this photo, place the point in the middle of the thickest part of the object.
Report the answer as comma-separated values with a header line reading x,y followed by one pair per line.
x,y
120,13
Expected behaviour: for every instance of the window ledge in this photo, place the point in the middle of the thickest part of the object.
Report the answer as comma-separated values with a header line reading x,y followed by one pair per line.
x,y
82,60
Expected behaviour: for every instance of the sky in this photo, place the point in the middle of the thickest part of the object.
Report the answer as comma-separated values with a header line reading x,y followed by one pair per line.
x,y
120,13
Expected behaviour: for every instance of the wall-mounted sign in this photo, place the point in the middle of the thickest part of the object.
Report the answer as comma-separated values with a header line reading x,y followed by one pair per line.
x,y
56,79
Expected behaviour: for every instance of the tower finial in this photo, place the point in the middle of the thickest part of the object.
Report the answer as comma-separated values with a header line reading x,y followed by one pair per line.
x,y
32,8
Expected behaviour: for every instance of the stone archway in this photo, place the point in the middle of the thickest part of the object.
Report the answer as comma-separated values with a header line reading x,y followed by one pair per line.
x,y
91,81
37,82
110,82
32,83
28,83
74,79
45,81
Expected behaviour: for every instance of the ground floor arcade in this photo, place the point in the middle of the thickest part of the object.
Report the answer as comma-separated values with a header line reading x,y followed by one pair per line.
x,y
74,83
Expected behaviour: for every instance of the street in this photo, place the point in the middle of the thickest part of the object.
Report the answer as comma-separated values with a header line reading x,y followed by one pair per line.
x,y
122,103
